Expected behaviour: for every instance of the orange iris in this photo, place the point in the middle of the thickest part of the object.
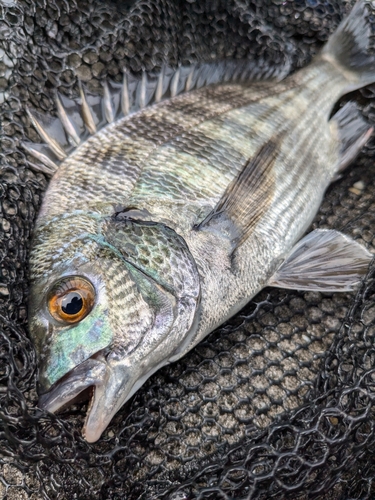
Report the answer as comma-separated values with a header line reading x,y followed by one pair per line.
x,y
71,299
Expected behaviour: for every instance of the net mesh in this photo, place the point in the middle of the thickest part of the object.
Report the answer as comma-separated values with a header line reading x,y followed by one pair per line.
x,y
278,402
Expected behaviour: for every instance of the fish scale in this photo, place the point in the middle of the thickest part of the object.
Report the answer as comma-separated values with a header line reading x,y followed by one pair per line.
x,y
261,118
178,213
122,291
135,141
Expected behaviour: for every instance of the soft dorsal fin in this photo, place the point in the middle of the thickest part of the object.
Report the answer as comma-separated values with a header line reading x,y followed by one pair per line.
x,y
352,132
246,199
89,113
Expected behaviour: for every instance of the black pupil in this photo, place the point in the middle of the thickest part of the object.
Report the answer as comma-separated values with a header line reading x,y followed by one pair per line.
x,y
72,303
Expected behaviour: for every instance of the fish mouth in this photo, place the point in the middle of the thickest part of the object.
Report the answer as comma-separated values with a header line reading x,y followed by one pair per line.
x,y
107,381
80,384
108,384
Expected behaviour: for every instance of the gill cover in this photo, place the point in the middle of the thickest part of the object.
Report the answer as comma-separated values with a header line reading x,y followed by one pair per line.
x,y
155,250
166,276
147,289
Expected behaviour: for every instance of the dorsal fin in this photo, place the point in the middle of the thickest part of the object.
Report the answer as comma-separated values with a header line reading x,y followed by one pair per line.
x,y
89,113
42,153
352,132
51,131
247,197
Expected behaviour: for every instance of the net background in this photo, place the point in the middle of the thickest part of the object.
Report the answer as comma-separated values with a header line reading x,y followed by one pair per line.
x,y
279,402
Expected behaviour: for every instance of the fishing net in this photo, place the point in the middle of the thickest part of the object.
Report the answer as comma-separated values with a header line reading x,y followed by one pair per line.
x,y
277,403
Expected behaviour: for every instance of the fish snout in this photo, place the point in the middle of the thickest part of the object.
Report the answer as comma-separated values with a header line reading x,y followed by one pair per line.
x,y
90,373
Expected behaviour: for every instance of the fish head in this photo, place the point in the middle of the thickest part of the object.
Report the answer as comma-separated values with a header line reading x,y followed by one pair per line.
x,y
111,301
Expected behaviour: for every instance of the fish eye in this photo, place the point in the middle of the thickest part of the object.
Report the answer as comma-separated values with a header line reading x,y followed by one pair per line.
x,y
71,299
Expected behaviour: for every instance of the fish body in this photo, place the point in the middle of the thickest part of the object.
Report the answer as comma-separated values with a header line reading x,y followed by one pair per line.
x,y
166,222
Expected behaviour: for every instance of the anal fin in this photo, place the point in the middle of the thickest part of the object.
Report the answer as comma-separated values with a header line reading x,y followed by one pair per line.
x,y
324,260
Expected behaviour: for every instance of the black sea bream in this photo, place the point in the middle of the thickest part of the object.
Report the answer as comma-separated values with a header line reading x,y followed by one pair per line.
x,y
159,226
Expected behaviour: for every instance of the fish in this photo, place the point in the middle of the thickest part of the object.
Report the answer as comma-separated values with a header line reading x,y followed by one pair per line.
x,y
173,200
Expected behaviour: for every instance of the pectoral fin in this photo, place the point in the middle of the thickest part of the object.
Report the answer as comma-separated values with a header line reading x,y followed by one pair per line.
x,y
247,198
324,260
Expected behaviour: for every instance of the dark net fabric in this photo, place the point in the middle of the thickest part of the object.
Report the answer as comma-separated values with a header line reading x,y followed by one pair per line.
x,y
279,402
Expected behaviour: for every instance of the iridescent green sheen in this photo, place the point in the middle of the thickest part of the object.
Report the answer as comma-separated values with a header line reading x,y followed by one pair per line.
x,y
75,344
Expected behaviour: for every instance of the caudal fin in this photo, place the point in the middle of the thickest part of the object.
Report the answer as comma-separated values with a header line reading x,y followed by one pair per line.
x,y
348,47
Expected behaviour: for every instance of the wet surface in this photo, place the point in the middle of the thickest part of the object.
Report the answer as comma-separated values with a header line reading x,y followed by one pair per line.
x,y
279,400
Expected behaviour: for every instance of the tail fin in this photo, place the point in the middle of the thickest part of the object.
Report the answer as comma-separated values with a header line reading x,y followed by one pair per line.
x,y
348,47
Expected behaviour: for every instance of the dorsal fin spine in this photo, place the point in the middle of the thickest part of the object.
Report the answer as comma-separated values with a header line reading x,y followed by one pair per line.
x,y
159,86
131,96
174,83
48,165
189,80
55,147
108,108
125,104
42,167
142,90
86,111
67,124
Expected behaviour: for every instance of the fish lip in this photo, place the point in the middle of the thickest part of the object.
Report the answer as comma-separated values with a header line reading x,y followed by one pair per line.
x,y
89,373
98,374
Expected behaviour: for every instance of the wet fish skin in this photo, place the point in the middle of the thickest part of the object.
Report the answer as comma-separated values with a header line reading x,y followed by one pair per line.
x,y
182,212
